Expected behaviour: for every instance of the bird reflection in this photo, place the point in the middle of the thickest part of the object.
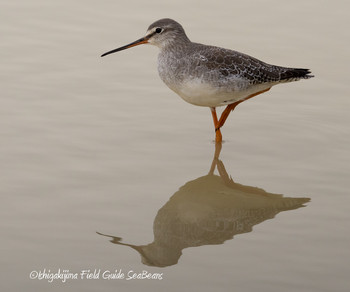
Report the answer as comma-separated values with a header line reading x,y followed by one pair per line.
x,y
208,210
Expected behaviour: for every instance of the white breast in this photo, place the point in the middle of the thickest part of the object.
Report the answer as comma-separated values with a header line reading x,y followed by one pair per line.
x,y
197,92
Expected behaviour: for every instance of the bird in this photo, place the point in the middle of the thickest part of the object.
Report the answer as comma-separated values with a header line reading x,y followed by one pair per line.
x,y
210,76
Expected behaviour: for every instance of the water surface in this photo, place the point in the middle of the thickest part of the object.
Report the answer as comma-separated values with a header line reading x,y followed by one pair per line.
x,y
104,168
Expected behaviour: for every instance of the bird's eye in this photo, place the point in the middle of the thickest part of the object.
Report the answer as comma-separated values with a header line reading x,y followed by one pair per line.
x,y
158,30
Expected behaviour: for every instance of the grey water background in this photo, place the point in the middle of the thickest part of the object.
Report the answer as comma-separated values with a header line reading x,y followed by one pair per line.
x,y
96,146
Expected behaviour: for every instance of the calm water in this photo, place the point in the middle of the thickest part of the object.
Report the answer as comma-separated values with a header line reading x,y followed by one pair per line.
x,y
105,169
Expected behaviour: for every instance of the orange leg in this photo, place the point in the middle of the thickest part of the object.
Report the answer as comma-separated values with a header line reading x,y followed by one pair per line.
x,y
225,114
218,136
231,107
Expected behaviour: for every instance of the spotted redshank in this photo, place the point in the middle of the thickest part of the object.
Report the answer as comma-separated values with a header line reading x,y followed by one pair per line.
x,y
210,76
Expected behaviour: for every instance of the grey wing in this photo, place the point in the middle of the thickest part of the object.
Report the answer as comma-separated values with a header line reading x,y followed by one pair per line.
x,y
231,63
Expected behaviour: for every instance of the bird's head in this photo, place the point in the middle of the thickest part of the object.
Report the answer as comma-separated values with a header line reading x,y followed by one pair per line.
x,y
162,33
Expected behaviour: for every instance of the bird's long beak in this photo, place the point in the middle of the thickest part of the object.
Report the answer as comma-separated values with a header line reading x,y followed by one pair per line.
x,y
140,41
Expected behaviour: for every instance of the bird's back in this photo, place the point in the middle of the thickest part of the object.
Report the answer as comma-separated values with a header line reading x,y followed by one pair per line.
x,y
212,76
231,63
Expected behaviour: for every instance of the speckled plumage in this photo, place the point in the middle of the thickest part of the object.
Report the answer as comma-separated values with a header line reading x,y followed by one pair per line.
x,y
225,76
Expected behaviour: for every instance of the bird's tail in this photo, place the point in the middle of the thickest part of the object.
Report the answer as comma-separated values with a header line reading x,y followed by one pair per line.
x,y
293,74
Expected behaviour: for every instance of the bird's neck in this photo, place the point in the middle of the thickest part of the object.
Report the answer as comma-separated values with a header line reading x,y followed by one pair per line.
x,y
175,45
